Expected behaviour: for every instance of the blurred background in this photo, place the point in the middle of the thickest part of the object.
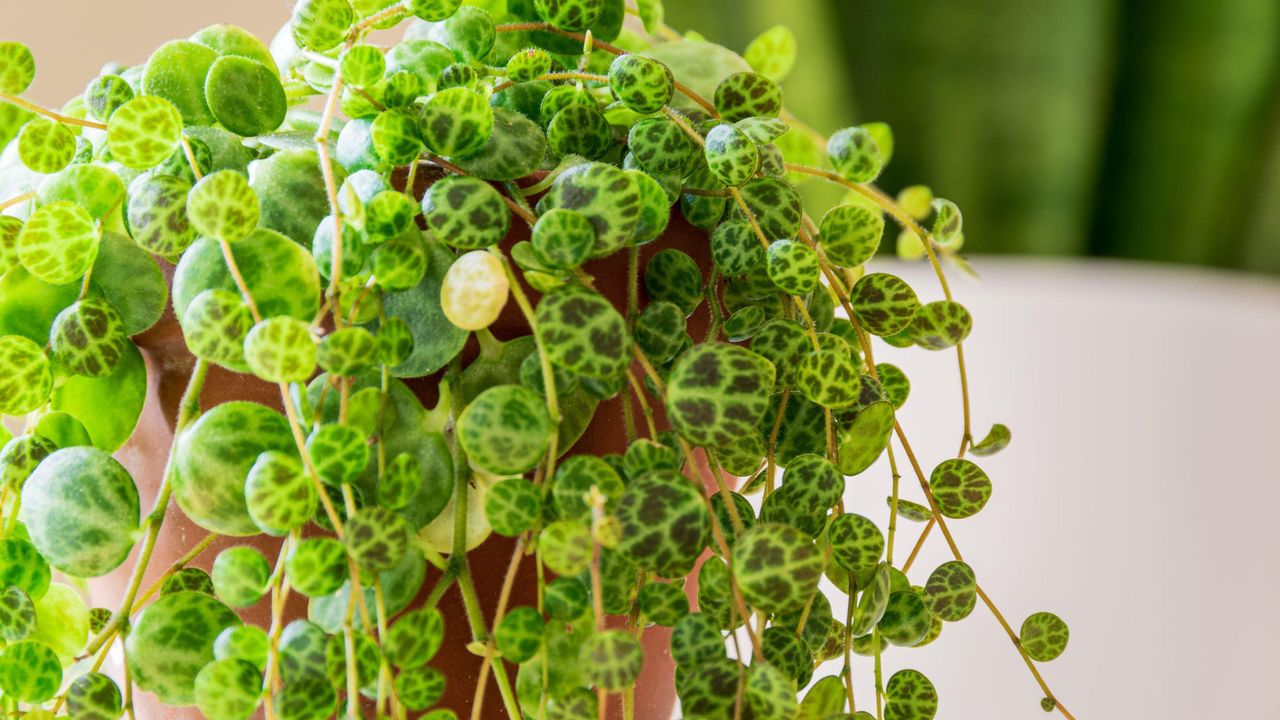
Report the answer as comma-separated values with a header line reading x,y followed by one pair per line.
x,y
1114,128
1119,128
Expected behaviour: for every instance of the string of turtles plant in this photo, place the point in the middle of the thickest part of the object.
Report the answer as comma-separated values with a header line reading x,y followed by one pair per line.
x,y
303,256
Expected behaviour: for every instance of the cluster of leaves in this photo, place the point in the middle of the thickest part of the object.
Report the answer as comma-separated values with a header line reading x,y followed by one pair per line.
x,y
302,256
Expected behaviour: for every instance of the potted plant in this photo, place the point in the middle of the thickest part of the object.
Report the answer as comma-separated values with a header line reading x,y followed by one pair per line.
x,y
510,377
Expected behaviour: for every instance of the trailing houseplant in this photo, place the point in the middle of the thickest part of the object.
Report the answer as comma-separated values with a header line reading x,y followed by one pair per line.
x,y
556,228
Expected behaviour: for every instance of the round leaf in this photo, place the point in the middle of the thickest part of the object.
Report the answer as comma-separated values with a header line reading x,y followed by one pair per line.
x,y
777,567
81,509
505,430
960,488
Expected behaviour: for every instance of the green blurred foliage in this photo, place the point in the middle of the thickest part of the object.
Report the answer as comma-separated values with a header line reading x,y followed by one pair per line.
x,y
1128,128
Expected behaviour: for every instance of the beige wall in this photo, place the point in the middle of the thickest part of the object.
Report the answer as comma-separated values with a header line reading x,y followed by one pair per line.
x,y
72,39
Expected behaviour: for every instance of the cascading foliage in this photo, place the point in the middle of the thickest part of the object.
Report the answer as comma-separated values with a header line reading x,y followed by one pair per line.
x,y
281,185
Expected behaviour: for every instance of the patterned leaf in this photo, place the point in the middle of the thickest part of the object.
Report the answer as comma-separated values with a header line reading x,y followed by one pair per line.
x,y
30,672
188,578
572,15
951,592
243,642
612,659
775,204
172,640
783,650
144,131
824,698
17,614
717,392
228,689
93,696
17,67
321,24
240,576
906,619
367,658
911,697
377,538
415,638
563,239
672,276
895,384
307,699
855,155
466,212
157,214
856,542
565,547
216,324
280,349
434,10
566,599
575,477
401,482
960,488
583,333
22,566
45,146
607,195
941,324
338,452
665,524
1044,636
746,94
223,205
769,693
420,688
660,146
317,566
519,635
735,247
81,510
655,207
829,378
579,130
278,494
873,602
948,223
88,338
58,243
744,323
362,65
514,149
663,603
456,122
731,155
27,380
915,512
395,136
885,304
644,85
777,567
512,506
505,430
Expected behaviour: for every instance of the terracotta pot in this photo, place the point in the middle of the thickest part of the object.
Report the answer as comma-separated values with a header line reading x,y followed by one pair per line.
x,y
169,365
